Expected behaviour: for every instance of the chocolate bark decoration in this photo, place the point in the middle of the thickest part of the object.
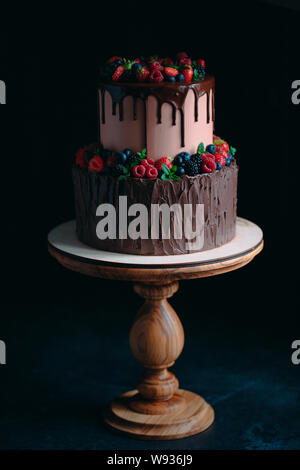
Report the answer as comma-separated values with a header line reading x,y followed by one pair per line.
x,y
172,93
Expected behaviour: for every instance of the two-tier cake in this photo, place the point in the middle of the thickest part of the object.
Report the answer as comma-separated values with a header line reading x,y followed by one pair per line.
x,y
159,182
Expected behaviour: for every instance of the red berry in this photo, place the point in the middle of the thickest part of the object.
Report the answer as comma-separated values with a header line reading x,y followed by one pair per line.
x,y
137,60
181,55
222,146
118,72
91,147
162,160
167,61
156,76
110,161
171,72
201,62
147,162
152,58
139,171
185,61
208,163
115,57
96,164
151,172
142,74
188,75
156,66
81,159
220,158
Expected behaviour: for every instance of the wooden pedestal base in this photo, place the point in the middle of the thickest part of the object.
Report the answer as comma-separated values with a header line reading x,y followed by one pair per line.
x,y
193,418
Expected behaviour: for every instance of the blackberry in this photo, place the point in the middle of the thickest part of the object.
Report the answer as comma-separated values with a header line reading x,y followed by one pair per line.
x,y
134,158
191,168
196,158
118,170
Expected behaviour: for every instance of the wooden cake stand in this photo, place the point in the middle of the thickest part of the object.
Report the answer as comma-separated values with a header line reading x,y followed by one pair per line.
x,y
157,409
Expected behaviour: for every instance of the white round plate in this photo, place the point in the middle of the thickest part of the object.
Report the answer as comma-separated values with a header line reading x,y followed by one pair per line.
x,y
248,237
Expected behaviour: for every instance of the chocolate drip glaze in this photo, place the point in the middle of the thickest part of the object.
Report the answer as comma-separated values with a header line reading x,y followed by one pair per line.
x,y
172,93
217,191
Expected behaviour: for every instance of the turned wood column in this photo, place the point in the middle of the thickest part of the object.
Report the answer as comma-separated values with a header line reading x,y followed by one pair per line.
x,y
156,340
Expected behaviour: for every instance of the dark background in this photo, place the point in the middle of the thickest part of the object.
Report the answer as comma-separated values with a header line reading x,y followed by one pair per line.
x,y
67,335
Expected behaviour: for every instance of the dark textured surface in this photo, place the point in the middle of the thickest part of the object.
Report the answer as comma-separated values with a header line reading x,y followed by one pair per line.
x,y
216,190
68,357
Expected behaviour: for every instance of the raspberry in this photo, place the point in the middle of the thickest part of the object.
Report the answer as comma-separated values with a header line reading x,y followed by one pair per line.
x,y
156,66
96,164
151,172
147,162
185,61
81,159
208,163
156,76
139,171
220,158
181,55
162,160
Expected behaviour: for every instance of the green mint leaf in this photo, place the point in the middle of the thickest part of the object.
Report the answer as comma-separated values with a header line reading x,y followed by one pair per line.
x,y
122,177
164,176
174,169
232,151
165,169
201,148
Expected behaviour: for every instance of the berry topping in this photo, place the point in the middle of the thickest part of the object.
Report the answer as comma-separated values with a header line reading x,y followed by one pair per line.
x,y
118,170
167,61
151,172
156,66
180,171
171,72
220,158
208,163
81,159
181,55
180,77
221,145
96,164
197,158
114,58
191,168
118,73
142,74
127,152
134,159
228,161
147,162
211,148
201,62
219,166
188,75
185,61
120,158
156,76
138,171
110,161
185,156
164,160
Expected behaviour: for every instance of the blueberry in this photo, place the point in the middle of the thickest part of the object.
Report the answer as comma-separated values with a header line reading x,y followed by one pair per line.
x,y
180,77
106,171
180,171
219,166
185,156
120,158
211,148
136,66
170,79
228,161
127,152
178,160
106,153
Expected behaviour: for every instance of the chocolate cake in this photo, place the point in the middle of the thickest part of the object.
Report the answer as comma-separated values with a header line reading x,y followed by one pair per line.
x,y
157,156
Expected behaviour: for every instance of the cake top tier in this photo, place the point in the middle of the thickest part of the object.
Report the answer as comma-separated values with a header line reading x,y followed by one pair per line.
x,y
154,70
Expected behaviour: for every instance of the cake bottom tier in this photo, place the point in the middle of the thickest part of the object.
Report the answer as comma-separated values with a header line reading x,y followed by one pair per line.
x,y
216,192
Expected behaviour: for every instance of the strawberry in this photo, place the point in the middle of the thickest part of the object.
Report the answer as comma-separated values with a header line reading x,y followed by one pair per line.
x,y
171,72
181,55
188,75
220,158
118,72
221,145
142,74
91,147
147,162
115,57
110,161
201,62
96,164
139,171
185,61
156,76
137,60
164,160
156,66
208,163
151,172
81,159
